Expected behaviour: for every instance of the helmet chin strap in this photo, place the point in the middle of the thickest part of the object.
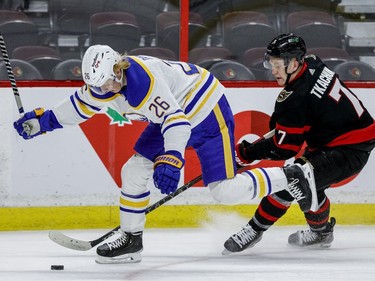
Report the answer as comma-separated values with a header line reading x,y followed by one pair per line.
x,y
288,75
121,80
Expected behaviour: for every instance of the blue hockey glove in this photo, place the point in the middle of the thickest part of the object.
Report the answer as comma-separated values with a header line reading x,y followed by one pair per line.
x,y
36,122
167,171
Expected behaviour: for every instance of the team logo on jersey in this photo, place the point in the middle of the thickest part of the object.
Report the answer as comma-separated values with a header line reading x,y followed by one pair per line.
x,y
283,95
136,116
116,118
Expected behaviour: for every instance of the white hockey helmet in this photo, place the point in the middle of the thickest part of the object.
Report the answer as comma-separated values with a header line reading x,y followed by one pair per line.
x,y
97,65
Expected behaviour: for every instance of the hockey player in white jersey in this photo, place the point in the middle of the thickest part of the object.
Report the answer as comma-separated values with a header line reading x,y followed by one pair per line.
x,y
185,106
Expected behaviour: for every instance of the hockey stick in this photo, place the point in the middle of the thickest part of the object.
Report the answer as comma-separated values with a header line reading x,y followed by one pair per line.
x,y
80,245
11,75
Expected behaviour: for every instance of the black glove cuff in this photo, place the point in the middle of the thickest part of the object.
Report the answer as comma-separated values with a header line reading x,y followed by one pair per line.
x,y
247,151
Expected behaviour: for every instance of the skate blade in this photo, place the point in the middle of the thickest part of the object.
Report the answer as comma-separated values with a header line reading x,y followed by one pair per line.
x,y
132,258
318,246
311,247
226,252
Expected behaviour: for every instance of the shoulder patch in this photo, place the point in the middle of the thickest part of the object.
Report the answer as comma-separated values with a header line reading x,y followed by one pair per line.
x,y
140,82
283,95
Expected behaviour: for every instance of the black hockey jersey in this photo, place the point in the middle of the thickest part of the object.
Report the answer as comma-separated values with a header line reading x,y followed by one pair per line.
x,y
318,108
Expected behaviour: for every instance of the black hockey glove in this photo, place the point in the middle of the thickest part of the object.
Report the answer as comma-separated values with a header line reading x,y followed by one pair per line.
x,y
244,153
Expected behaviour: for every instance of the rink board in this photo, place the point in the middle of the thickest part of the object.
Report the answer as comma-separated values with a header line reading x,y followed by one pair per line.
x,y
73,174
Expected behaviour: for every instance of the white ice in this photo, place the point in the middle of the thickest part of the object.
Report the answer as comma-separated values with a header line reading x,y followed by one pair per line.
x,y
193,254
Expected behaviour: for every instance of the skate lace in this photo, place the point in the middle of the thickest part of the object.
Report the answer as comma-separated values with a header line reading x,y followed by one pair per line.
x,y
308,236
244,236
118,242
295,191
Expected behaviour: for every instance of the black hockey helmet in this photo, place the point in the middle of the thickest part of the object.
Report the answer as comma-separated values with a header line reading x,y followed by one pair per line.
x,y
285,46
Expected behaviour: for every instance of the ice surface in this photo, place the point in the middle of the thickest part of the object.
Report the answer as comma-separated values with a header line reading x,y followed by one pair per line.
x,y
193,254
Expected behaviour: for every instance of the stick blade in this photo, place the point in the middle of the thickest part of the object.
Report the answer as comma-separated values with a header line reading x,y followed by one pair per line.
x,y
68,242
123,259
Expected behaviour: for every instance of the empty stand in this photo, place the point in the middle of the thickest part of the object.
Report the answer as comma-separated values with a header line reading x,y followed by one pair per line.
x,y
168,31
205,55
18,29
71,17
22,70
253,59
42,57
303,5
15,5
226,70
70,23
355,71
70,69
360,37
119,30
161,53
145,12
317,28
245,30
268,7
331,56
210,11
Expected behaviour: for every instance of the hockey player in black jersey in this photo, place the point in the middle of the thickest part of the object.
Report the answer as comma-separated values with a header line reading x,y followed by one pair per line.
x,y
315,107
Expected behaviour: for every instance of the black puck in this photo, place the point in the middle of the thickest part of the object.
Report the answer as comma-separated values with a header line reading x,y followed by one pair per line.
x,y
57,267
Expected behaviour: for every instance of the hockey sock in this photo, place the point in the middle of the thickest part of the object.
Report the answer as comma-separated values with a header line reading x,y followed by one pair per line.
x,y
270,209
318,220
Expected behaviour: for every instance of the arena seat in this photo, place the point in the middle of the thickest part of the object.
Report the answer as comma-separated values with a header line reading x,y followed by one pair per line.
x,y
203,54
119,30
145,12
355,71
22,70
168,31
226,70
161,53
331,56
18,30
246,29
253,59
70,69
42,57
317,28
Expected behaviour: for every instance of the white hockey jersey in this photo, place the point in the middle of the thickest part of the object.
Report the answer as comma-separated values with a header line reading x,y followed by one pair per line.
x,y
176,95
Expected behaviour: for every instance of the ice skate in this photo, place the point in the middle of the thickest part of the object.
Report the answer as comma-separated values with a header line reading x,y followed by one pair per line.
x,y
125,249
301,185
247,237
313,239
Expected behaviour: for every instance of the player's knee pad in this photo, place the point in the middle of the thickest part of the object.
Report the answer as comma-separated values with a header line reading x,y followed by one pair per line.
x,y
135,174
218,192
231,191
